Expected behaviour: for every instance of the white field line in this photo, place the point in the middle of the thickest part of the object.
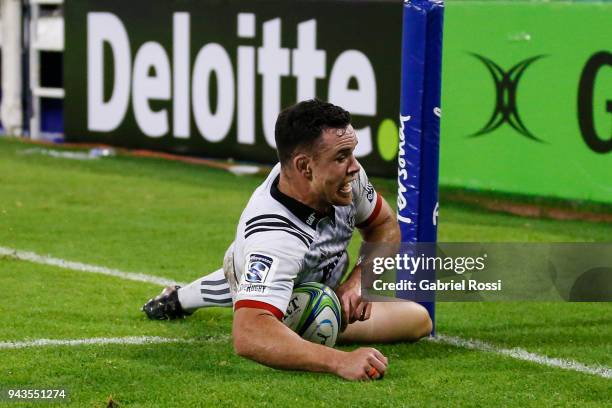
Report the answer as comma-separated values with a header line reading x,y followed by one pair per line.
x,y
106,340
94,340
81,267
521,354
516,353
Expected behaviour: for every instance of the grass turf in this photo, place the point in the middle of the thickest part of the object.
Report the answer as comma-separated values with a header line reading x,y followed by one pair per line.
x,y
175,220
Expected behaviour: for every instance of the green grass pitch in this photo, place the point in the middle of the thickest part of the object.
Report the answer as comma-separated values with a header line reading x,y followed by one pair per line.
x,y
175,220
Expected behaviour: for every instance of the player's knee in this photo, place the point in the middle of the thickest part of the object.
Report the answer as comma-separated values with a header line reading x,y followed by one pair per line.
x,y
422,323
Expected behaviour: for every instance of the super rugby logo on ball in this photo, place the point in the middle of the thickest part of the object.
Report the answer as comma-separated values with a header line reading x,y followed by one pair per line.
x,y
314,313
258,268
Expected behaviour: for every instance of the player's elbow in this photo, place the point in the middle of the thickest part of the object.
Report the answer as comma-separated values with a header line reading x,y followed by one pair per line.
x,y
242,346
246,333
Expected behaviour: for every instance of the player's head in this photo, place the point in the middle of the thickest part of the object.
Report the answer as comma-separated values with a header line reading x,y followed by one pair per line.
x,y
299,126
315,139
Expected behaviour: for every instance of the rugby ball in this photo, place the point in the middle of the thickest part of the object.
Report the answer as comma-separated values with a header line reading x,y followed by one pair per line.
x,y
314,313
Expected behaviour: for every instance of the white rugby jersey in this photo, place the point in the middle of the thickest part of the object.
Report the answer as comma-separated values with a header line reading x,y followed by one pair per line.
x,y
280,242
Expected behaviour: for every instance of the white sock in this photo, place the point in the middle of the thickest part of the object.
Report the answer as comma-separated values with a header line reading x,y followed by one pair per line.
x,y
210,290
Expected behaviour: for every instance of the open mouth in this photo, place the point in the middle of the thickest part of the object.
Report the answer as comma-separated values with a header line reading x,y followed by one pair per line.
x,y
346,188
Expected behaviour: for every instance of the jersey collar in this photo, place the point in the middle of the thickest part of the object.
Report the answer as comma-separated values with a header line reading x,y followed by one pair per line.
x,y
307,215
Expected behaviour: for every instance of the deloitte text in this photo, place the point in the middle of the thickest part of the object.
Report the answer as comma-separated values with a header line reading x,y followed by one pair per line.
x,y
154,75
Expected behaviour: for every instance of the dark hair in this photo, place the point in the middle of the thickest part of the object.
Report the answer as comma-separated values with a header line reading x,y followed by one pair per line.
x,y
300,125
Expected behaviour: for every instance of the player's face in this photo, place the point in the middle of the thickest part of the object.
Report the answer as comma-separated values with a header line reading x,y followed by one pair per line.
x,y
334,166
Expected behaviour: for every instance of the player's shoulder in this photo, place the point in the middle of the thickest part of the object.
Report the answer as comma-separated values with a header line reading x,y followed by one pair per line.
x,y
362,187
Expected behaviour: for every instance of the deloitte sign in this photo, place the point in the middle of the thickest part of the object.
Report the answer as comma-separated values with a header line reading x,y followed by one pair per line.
x,y
209,77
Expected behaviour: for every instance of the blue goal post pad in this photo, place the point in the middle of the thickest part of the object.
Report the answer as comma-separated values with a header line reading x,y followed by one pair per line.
x,y
418,157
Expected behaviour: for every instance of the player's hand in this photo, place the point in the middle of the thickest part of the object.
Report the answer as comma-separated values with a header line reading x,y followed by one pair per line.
x,y
353,306
363,364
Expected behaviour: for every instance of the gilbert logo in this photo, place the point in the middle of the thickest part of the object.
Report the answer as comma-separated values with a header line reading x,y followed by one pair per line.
x,y
506,85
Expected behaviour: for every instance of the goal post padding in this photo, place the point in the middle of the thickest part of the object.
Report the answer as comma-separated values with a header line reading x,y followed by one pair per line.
x,y
419,134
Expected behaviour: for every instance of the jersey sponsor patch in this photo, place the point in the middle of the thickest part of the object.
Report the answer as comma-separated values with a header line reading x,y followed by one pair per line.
x,y
311,219
258,267
370,192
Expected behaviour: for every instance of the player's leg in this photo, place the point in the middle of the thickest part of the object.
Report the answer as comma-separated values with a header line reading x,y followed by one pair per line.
x,y
176,302
390,322
210,290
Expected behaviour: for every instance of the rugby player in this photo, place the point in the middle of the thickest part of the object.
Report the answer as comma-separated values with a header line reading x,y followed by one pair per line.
x,y
296,227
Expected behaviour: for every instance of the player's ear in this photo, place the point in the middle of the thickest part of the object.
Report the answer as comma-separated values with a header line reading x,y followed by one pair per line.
x,y
301,163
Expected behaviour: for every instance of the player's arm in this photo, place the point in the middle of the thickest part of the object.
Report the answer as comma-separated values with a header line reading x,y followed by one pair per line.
x,y
258,335
382,228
